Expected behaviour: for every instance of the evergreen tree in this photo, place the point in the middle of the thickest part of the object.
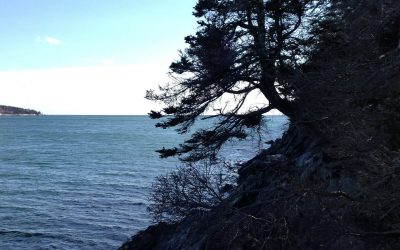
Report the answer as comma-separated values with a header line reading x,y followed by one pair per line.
x,y
241,47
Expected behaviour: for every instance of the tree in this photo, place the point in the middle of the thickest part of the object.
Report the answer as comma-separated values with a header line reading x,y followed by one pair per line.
x,y
352,65
241,47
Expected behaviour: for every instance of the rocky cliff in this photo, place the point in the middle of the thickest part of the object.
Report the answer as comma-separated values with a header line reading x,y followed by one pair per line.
x,y
294,195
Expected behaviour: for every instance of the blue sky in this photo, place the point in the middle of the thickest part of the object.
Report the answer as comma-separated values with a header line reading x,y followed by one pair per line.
x,y
89,56
40,34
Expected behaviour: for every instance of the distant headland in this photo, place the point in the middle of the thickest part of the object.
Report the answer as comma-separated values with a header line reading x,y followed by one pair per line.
x,y
9,110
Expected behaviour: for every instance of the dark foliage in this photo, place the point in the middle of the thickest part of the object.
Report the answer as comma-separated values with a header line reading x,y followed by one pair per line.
x,y
9,110
240,48
331,182
339,83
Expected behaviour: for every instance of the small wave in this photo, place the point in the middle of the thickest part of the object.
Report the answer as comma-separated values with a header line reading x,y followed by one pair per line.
x,y
20,234
65,238
138,204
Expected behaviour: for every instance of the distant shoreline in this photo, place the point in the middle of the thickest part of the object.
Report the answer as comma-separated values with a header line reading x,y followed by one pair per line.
x,y
20,114
10,110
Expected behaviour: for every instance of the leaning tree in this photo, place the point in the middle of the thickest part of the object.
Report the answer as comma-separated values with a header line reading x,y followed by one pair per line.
x,y
330,65
241,47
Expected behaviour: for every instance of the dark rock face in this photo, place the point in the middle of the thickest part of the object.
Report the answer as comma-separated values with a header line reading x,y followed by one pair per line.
x,y
291,196
150,238
9,110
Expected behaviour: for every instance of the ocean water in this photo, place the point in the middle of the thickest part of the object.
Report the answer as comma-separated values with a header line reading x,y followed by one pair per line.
x,y
81,182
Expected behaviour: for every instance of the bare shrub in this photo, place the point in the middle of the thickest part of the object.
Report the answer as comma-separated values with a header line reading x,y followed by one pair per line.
x,y
191,188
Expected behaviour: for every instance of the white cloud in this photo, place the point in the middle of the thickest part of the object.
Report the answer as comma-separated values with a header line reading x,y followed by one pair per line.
x,y
101,90
51,40
108,89
92,61
107,61
48,40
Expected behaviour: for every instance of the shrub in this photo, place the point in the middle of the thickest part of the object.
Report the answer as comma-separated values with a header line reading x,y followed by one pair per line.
x,y
191,188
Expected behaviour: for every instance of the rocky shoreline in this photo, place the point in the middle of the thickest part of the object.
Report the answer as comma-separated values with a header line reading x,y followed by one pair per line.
x,y
290,196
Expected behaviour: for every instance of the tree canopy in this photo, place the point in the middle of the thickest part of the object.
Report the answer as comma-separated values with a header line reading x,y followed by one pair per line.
x,y
240,47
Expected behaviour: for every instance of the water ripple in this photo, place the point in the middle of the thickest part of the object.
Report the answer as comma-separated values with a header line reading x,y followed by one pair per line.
x,y
80,182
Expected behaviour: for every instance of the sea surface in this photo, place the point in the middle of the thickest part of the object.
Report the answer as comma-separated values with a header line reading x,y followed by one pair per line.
x,y
81,182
